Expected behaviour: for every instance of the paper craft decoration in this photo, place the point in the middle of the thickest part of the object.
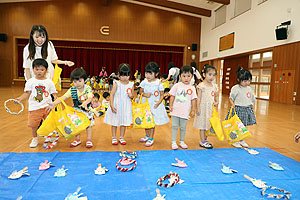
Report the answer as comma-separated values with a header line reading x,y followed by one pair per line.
x,y
16,101
173,180
251,151
18,174
275,166
45,165
227,170
61,172
179,163
100,170
158,195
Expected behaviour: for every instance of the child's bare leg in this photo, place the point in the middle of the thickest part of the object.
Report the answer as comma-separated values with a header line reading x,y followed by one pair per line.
x,y
34,130
203,137
122,131
151,132
113,131
147,132
78,137
89,133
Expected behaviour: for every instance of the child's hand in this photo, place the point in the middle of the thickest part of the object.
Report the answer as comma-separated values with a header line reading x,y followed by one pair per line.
x,y
50,107
84,106
18,99
157,104
216,104
193,114
198,112
113,109
171,108
130,95
297,137
147,94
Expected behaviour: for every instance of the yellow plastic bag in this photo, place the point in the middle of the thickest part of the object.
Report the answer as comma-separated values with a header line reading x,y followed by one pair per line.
x,y
215,125
56,77
48,125
142,116
234,129
66,122
69,121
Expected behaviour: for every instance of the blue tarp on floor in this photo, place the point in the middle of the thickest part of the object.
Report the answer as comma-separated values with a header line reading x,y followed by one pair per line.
x,y
203,178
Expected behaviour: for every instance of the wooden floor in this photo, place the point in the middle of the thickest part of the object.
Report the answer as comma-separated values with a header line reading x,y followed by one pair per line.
x,y
276,126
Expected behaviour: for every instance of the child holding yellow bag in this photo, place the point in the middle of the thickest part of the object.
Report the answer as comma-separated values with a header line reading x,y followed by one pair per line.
x,y
182,104
153,90
38,89
207,97
82,95
119,113
242,99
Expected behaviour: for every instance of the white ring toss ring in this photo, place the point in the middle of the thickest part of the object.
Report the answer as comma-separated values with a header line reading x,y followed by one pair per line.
x,y
16,101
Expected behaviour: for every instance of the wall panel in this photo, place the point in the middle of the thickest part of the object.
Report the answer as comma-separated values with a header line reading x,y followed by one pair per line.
x,y
81,20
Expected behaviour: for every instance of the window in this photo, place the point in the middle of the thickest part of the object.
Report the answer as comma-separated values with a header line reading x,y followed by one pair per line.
x,y
260,67
241,6
220,16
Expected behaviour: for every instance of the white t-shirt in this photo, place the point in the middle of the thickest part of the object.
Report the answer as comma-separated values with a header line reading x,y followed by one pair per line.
x,y
242,96
184,94
27,63
40,93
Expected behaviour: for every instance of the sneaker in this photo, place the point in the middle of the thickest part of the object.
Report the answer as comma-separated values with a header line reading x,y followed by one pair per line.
x,y
237,144
114,141
205,144
174,146
144,139
122,141
89,144
149,142
75,143
243,143
183,145
34,142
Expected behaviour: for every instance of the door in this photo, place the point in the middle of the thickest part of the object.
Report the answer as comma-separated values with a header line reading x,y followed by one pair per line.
x,y
284,86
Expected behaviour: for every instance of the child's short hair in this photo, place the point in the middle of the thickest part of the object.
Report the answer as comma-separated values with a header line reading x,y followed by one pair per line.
x,y
124,69
171,65
97,95
166,90
40,62
243,74
207,68
165,76
78,73
152,67
186,69
105,94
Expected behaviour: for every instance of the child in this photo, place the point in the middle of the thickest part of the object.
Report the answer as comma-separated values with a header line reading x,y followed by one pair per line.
x,y
38,89
82,96
106,85
164,81
242,99
152,89
182,104
105,101
40,47
297,137
207,97
167,99
119,112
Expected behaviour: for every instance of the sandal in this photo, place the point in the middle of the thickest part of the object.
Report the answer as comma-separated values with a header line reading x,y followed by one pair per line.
x,y
114,141
122,141
89,144
206,145
75,143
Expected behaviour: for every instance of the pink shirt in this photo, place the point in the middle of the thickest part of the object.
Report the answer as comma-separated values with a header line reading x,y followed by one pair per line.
x,y
184,94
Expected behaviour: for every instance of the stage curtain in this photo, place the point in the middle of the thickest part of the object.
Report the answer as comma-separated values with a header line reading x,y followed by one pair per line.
x,y
93,55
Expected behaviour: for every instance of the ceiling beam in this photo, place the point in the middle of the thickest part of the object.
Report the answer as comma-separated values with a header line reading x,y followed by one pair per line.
x,y
178,6
225,2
